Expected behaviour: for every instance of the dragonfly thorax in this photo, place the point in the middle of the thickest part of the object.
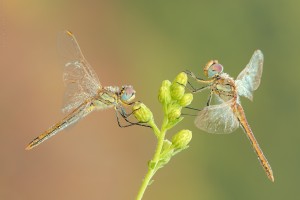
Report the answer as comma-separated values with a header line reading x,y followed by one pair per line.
x,y
224,86
113,89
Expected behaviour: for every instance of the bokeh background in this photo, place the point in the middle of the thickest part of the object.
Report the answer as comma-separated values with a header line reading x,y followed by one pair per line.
x,y
142,43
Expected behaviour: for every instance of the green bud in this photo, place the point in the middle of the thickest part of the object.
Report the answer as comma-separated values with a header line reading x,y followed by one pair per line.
x,y
181,79
178,86
174,112
164,92
186,99
177,91
181,139
141,112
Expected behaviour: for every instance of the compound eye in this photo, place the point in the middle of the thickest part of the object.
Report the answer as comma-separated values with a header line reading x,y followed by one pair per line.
x,y
128,94
215,69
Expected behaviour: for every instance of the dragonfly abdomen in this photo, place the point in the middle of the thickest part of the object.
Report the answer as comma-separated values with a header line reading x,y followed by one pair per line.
x,y
80,112
246,127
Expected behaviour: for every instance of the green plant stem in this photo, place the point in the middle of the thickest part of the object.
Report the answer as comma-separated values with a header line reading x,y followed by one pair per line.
x,y
152,169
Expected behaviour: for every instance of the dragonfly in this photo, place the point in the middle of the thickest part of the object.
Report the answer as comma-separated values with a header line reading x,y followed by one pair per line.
x,y
84,92
227,114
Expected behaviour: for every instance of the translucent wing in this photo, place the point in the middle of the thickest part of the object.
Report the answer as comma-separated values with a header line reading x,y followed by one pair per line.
x,y
249,79
217,118
79,77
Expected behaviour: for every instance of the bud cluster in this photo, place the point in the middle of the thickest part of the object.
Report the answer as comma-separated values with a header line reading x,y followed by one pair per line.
x,y
173,97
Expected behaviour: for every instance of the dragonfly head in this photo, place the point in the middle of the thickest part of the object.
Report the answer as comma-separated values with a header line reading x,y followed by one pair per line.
x,y
127,93
212,68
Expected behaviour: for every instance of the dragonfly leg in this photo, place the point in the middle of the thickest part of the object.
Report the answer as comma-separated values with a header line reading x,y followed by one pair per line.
x,y
191,108
131,103
119,123
200,80
125,116
137,123
123,111
185,114
193,89
191,74
209,98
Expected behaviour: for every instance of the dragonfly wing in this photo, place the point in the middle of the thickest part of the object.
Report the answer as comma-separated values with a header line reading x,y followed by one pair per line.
x,y
79,77
249,79
217,118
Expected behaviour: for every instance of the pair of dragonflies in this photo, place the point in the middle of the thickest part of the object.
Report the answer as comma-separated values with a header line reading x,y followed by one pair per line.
x,y
85,93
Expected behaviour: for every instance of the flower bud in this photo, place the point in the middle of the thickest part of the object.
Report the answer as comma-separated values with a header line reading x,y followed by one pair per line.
x,y
174,112
181,79
141,112
164,92
186,99
181,139
177,91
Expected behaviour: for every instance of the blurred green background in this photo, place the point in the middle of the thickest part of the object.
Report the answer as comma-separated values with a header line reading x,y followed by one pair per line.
x,y
142,43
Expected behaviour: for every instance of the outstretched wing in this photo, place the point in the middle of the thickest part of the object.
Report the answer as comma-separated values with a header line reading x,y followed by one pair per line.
x,y
217,118
249,79
79,77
